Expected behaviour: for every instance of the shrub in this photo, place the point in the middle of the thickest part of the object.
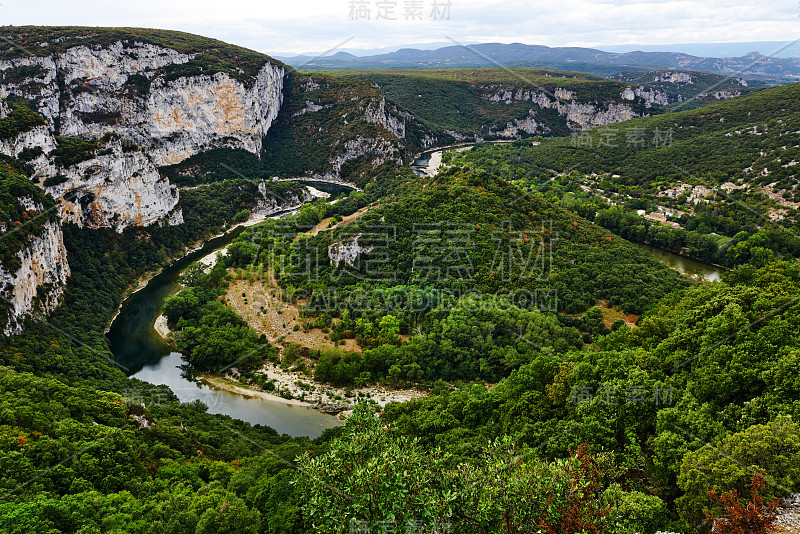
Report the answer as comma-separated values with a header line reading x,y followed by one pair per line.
x,y
773,448
752,517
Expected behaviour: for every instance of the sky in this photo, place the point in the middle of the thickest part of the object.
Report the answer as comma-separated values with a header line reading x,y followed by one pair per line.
x,y
299,26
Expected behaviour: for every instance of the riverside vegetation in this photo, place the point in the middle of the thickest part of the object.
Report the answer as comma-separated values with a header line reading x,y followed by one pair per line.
x,y
488,286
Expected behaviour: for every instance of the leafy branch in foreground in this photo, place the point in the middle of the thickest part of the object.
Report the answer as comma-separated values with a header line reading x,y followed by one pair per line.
x,y
752,517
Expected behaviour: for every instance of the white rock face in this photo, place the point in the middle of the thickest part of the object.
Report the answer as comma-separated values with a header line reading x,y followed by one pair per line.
x,y
378,113
564,93
44,265
88,91
650,97
382,151
174,119
347,252
579,115
528,125
311,107
461,137
428,141
112,65
269,204
116,191
193,114
675,77
722,95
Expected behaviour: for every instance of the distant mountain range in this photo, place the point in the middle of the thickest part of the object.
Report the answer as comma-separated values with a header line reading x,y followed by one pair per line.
x,y
753,65
781,49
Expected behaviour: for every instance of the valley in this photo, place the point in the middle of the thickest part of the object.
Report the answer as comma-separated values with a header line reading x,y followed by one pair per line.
x,y
242,297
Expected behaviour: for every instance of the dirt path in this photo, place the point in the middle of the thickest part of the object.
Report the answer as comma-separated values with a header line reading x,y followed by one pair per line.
x,y
326,224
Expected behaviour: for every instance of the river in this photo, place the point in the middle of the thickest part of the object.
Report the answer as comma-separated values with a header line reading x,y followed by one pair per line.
x,y
427,163
137,347
695,269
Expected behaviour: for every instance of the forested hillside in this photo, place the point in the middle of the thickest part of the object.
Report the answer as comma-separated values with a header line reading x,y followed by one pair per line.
x,y
689,90
718,183
745,140
497,103
562,379
461,279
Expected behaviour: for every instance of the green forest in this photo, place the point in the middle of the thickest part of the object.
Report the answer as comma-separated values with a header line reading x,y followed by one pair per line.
x,y
610,174
447,100
564,379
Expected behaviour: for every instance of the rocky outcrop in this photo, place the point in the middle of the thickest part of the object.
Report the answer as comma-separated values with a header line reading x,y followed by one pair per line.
x,y
722,95
130,89
788,515
528,125
38,138
461,137
269,204
428,141
116,190
674,77
579,115
564,94
650,96
311,107
36,287
393,121
380,151
193,114
347,252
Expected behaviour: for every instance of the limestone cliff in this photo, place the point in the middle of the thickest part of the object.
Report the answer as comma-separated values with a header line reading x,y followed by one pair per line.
x,y
116,189
580,115
395,122
347,252
650,96
151,97
33,280
662,88
268,204
528,125
337,125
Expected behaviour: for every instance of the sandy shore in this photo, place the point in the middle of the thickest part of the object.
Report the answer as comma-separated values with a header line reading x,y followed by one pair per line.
x,y
315,394
161,327
326,395
210,260
228,385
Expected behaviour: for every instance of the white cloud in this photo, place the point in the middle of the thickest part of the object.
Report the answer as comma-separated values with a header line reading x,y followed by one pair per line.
x,y
280,27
